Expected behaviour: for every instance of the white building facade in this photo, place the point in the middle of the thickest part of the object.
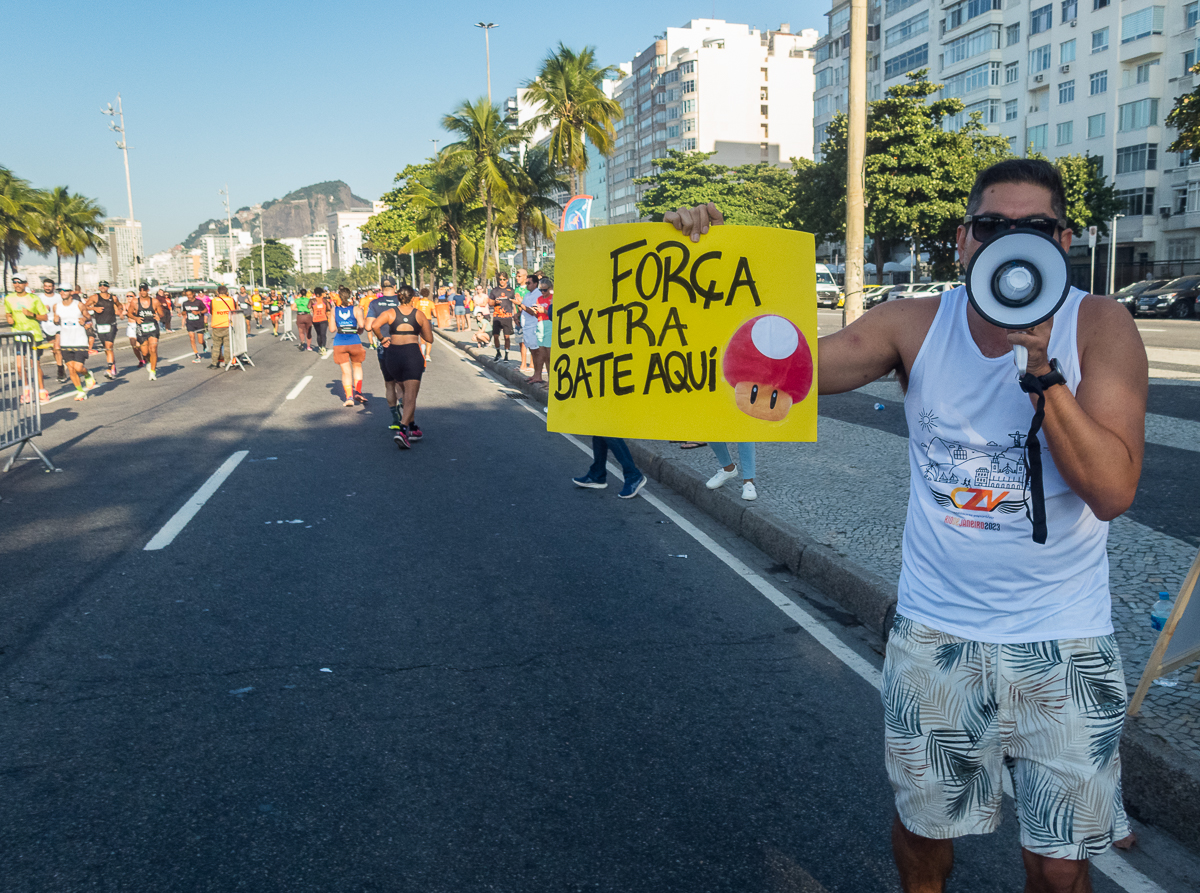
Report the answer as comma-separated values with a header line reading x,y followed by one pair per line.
x,y
711,86
1066,77
118,258
344,230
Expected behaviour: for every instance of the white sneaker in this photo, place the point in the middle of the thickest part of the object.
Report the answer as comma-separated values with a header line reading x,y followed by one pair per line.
x,y
748,491
721,477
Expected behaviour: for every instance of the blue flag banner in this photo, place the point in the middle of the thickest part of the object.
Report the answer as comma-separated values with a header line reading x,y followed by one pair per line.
x,y
577,213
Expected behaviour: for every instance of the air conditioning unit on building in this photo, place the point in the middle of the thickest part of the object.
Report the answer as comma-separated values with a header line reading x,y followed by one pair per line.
x,y
1074,22
1164,212
1064,68
1037,78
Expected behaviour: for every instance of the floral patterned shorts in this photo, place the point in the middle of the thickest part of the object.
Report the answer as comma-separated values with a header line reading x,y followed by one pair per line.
x,y
957,711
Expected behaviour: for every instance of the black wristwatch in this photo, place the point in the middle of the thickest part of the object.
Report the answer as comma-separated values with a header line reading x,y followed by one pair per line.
x,y
1051,378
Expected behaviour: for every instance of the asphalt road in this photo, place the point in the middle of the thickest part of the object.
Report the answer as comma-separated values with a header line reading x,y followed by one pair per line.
x,y
447,669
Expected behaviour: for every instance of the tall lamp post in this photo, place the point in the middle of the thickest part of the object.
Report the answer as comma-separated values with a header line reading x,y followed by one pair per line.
x,y
262,242
487,43
123,145
435,145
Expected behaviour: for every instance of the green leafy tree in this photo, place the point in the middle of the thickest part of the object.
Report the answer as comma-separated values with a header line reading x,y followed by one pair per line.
x,y
280,264
569,93
443,211
1185,117
363,275
748,195
85,228
1091,199
486,141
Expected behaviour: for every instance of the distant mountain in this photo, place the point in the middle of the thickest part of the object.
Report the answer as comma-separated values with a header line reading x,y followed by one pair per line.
x,y
300,212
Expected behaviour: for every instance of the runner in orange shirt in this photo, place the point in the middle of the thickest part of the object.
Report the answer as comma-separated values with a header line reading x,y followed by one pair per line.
x,y
425,305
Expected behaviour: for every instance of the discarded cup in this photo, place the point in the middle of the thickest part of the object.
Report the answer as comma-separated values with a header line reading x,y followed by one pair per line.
x,y
879,406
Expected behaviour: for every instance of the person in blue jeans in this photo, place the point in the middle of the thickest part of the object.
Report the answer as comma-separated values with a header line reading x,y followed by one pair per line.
x,y
728,470
597,476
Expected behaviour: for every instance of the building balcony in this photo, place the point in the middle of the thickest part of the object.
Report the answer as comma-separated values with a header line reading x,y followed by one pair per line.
x,y
1177,223
1143,47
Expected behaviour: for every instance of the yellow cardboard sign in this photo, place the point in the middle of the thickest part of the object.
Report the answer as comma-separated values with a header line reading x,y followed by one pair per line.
x,y
662,338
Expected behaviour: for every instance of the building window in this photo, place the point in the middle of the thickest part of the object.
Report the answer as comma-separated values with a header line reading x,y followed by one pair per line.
x,y
1143,71
1040,19
1100,40
689,86
1012,72
689,124
1099,4
918,24
764,74
1066,52
1012,34
1064,132
689,105
1010,110
1039,59
819,135
1193,196
962,12
971,45
1095,125
765,132
1189,59
1142,157
1137,202
1142,23
892,7
1098,82
823,106
1066,92
1037,137
910,61
762,93
1191,15
688,67
985,75
1181,249
1137,115
762,110
1070,10
839,20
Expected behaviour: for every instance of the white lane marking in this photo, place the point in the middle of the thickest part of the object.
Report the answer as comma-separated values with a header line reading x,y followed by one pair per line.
x,y
295,392
182,356
179,520
1140,329
326,355
1109,863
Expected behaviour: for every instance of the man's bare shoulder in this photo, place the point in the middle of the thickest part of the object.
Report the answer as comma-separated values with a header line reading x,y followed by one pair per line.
x,y
1102,318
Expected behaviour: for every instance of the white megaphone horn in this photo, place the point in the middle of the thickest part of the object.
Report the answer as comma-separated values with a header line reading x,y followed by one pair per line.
x,y
1017,280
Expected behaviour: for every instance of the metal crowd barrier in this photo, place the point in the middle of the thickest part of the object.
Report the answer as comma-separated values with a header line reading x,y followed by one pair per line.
x,y
20,419
287,330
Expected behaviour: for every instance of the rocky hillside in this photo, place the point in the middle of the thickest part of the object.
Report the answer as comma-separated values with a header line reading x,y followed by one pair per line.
x,y
298,213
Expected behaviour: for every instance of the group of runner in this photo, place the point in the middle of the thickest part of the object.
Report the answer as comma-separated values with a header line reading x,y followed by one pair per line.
x,y
72,326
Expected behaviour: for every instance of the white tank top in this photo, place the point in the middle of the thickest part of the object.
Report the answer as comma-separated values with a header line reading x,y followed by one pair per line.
x,y
72,333
970,566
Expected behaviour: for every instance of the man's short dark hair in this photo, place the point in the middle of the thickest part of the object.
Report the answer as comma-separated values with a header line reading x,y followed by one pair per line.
x,y
1033,171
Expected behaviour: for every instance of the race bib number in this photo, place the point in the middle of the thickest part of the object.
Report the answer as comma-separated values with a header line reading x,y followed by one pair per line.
x,y
102,329
149,327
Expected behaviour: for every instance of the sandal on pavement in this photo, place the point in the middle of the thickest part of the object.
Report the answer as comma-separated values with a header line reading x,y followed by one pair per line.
x,y
693,444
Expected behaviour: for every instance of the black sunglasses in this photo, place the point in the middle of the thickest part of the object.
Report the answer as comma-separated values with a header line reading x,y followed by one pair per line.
x,y
985,227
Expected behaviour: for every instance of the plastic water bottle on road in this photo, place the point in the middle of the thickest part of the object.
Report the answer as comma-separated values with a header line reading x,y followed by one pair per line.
x,y
1160,612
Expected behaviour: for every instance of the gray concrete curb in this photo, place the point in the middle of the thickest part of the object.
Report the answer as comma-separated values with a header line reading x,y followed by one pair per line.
x,y
1160,786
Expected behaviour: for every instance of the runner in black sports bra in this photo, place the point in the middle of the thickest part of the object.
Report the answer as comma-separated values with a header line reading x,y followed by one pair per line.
x,y
407,327
146,318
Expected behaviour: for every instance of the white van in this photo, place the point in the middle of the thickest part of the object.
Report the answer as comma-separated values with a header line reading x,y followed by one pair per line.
x,y
828,292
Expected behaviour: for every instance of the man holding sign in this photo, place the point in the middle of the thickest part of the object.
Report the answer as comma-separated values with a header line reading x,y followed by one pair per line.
x,y
1002,654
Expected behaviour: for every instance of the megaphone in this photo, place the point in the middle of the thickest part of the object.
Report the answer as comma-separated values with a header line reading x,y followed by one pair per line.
x,y
1017,280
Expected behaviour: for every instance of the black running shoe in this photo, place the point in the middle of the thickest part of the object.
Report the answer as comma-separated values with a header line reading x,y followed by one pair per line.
x,y
401,438
497,357
414,433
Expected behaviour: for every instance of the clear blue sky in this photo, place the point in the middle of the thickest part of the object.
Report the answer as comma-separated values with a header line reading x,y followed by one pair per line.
x,y
269,97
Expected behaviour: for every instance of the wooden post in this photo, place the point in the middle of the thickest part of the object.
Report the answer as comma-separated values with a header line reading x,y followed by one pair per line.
x,y
856,150
1186,650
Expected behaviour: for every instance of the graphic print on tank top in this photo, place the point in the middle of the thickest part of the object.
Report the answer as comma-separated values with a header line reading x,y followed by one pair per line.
x,y
960,476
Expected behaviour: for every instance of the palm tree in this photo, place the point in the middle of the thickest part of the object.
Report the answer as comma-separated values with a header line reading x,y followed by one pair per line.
x,y
56,230
569,91
443,212
486,140
532,198
20,223
86,220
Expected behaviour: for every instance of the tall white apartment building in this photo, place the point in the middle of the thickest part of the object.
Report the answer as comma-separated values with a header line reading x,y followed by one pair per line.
x,y
314,254
1063,77
711,86
119,256
344,229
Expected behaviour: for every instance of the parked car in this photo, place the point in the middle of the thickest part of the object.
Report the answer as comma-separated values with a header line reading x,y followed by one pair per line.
x,y
905,290
875,294
933,289
1127,297
1177,298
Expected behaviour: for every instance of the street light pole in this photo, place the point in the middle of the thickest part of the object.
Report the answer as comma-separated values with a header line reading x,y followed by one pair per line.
x,y
262,241
229,223
435,145
123,145
487,43
856,144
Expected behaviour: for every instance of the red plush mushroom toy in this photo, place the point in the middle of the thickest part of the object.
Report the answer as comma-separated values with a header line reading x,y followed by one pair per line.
x,y
770,366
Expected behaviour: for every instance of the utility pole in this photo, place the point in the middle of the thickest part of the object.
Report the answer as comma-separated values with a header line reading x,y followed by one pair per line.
x,y
487,43
435,145
123,145
856,144
1112,254
224,193
262,238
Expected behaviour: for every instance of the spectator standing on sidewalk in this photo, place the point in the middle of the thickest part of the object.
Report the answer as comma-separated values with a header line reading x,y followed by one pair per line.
x,y
461,324
728,471
527,300
1002,654
500,302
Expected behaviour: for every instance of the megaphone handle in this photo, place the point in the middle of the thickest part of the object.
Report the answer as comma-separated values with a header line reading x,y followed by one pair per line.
x,y
1021,358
